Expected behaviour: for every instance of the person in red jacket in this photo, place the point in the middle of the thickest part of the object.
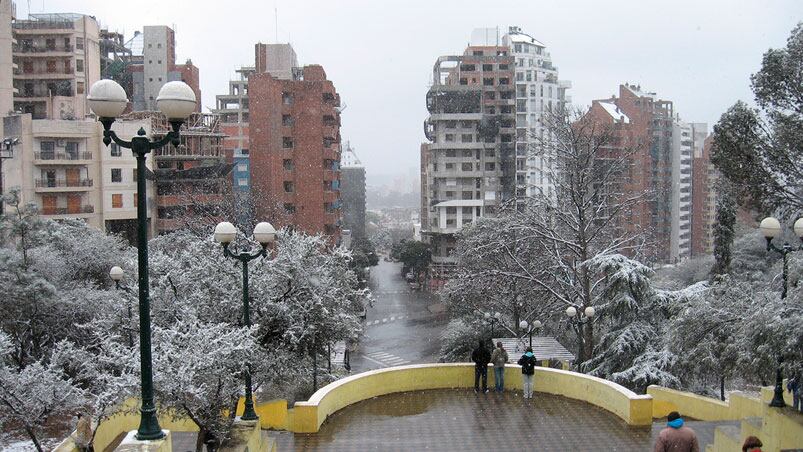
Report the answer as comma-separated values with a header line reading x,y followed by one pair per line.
x,y
675,437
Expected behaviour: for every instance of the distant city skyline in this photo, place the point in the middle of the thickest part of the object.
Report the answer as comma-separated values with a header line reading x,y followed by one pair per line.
x,y
380,55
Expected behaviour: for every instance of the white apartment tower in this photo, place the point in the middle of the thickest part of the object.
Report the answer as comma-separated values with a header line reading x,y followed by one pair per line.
x,y
687,140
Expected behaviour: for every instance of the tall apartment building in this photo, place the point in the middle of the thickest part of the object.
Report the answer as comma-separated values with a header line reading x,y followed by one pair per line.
x,y
352,192
65,169
687,141
7,67
280,61
294,134
704,202
153,63
470,157
648,122
57,58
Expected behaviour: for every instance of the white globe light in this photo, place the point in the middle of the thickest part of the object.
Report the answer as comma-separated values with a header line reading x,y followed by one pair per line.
x,y
107,99
770,227
799,227
176,100
523,324
590,311
116,273
225,232
571,311
264,233
537,324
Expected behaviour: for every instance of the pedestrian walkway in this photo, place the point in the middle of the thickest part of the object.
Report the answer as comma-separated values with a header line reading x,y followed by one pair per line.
x,y
385,359
460,420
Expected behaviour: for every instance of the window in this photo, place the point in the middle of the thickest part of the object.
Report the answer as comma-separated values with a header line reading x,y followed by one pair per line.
x,y
467,195
490,166
159,45
287,120
449,137
136,203
79,87
517,48
451,210
79,65
488,81
468,67
466,166
466,138
50,44
464,81
115,150
287,164
159,62
242,182
134,175
47,146
288,186
287,98
287,142
290,208
117,175
79,43
449,195
242,167
503,67
451,153
487,67
117,201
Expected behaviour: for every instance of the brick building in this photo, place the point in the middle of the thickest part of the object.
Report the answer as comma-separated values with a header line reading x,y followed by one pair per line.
x,y
704,203
294,135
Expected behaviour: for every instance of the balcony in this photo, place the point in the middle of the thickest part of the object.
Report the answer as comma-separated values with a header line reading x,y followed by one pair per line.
x,y
77,210
27,52
56,74
63,184
61,158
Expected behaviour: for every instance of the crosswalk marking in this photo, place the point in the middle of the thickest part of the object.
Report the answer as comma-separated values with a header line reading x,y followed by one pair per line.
x,y
385,359
386,320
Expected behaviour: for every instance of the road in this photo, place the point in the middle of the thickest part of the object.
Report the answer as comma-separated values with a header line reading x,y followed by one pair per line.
x,y
401,327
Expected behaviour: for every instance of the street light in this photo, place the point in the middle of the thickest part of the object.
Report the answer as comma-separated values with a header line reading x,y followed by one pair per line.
x,y
6,152
530,327
265,234
578,321
492,318
176,100
116,274
771,228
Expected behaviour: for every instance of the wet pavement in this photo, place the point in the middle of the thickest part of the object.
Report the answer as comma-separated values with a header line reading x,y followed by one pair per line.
x,y
462,420
401,327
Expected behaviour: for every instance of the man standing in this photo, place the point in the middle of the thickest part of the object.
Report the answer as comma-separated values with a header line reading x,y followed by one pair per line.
x,y
499,359
481,357
527,363
675,437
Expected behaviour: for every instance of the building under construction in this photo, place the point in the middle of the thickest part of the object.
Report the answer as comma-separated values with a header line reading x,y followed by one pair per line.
x,y
115,58
192,180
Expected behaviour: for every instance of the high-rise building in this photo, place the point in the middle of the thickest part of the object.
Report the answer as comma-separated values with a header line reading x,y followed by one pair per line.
x,y
294,136
687,140
153,63
7,66
648,124
352,192
470,159
58,59
704,202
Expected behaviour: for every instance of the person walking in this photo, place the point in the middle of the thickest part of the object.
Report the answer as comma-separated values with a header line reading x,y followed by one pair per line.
x,y
527,363
481,357
795,386
676,437
499,359
752,444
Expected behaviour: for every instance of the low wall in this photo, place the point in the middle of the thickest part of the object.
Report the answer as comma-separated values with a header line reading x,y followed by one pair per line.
x,y
308,416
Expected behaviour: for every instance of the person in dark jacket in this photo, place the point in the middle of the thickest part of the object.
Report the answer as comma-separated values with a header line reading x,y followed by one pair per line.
x,y
481,357
527,363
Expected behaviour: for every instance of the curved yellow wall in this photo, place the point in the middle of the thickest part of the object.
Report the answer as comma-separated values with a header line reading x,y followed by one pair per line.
x,y
308,416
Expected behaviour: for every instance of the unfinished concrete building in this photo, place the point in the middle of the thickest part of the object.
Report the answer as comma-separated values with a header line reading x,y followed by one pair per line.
x,y
470,168
192,180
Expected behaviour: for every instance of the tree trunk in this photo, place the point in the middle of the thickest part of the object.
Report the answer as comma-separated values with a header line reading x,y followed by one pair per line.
x,y
199,442
33,437
588,340
722,388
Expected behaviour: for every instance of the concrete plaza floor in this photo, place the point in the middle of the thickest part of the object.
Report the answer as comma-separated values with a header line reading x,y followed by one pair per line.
x,y
462,420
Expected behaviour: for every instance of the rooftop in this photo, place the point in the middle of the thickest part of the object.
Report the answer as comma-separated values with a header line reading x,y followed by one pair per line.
x,y
613,110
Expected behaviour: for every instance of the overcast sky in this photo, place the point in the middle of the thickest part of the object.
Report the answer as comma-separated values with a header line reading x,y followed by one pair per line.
x,y
379,54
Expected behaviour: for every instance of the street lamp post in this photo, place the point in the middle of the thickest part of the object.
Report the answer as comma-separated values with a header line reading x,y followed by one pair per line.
x,y
771,228
6,152
176,100
530,327
265,234
116,274
578,319
492,319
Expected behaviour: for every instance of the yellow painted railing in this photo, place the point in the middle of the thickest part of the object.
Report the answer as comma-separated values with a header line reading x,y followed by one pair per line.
x,y
308,416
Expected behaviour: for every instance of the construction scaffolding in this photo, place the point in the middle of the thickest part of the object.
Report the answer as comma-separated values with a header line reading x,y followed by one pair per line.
x,y
114,59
